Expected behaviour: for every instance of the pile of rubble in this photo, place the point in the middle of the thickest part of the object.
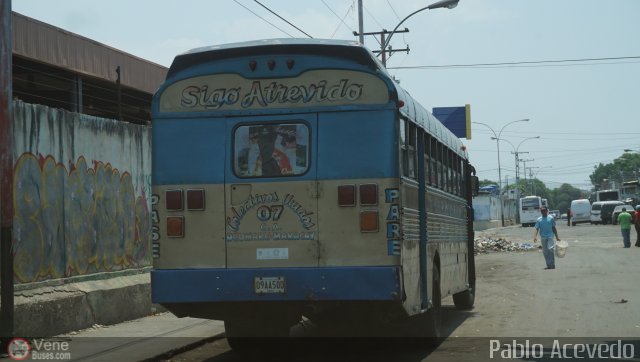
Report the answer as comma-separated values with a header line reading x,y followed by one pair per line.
x,y
488,244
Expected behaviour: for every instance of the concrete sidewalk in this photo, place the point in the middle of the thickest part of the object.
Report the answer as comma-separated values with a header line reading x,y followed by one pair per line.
x,y
136,340
58,306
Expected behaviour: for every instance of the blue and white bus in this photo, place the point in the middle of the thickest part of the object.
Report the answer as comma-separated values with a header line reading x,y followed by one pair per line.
x,y
295,178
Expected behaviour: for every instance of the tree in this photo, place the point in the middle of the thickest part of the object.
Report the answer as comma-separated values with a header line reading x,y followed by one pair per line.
x,y
623,168
486,182
561,197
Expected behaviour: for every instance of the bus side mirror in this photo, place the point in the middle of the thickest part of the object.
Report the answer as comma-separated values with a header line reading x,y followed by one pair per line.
x,y
475,186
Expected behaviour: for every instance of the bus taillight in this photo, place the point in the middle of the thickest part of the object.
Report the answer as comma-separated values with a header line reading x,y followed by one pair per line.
x,y
195,199
175,226
347,195
369,194
173,200
369,221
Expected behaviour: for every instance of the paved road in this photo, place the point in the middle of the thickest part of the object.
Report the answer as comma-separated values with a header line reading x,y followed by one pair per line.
x,y
591,297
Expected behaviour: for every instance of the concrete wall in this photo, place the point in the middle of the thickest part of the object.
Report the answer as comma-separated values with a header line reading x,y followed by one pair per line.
x,y
81,194
486,210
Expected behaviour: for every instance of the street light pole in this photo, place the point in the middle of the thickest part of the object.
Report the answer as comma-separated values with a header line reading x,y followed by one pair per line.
x,y
497,138
360,23
449,4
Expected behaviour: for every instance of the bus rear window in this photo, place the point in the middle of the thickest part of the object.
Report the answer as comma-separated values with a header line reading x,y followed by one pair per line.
x,y
271,150
530,203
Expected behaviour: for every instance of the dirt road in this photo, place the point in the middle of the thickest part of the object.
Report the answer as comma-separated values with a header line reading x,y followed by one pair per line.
x,y
592,292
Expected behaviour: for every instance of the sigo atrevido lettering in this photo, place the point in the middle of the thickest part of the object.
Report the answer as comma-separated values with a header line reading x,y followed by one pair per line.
x,y
265,94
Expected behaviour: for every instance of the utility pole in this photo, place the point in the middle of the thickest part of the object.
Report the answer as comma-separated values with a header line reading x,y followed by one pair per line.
x,y
525,170
533,184
383,40
518,165
6,175
360,23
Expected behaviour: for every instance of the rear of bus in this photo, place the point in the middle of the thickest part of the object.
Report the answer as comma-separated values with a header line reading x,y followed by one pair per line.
x,y
275,182
529,210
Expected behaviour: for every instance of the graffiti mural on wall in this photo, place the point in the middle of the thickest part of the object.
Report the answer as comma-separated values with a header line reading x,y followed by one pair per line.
x,y
76,221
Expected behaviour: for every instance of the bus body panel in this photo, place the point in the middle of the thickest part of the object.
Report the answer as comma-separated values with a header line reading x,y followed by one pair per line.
x,y
341,241
196,162
445,222
202,245
303,284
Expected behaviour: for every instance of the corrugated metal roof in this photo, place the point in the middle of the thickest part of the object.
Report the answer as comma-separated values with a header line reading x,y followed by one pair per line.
x,y
52,45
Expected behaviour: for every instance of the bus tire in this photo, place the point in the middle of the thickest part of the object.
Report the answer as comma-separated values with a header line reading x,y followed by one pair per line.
x,y
465,299
434,315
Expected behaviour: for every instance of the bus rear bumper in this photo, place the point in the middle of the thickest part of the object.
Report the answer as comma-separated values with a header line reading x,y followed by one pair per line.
x,y
300,284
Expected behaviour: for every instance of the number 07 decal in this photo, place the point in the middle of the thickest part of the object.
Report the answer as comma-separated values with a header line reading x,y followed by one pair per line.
x,y
266,213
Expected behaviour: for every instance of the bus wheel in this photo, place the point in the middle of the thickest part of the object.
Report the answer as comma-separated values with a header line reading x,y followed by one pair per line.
x,y
465,299
434,315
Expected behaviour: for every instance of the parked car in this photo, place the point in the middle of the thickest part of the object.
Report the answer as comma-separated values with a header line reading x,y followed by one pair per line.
x,y
555,214
563,216
618,210
607,209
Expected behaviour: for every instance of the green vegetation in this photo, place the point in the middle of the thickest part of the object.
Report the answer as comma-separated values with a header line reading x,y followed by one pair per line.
x,y
623,168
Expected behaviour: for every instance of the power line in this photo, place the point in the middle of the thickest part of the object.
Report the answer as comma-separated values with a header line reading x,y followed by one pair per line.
x,y
394,10
523,63
372,17
283,19
342,21
338,16
265,20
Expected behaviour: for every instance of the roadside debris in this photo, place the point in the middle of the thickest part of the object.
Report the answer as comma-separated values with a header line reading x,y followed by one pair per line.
x,y
487,244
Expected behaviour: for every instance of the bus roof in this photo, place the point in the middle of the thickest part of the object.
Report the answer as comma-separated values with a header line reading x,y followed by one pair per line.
x,y
328,47
344,49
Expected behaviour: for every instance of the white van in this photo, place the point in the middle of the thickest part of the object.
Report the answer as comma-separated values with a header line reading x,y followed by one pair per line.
x,y
596,209
580,211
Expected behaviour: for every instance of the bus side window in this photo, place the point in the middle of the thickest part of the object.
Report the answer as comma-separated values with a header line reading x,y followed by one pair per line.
x,y
427,158
460,169
441,158
403,147
454,170
434,157
465,170
412,151
445,167
408,134
449,171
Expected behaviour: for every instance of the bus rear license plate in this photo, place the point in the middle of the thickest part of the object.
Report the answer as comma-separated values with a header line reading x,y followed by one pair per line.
x,y
269,285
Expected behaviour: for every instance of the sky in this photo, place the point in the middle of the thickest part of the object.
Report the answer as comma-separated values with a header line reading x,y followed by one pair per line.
x,y
573,66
